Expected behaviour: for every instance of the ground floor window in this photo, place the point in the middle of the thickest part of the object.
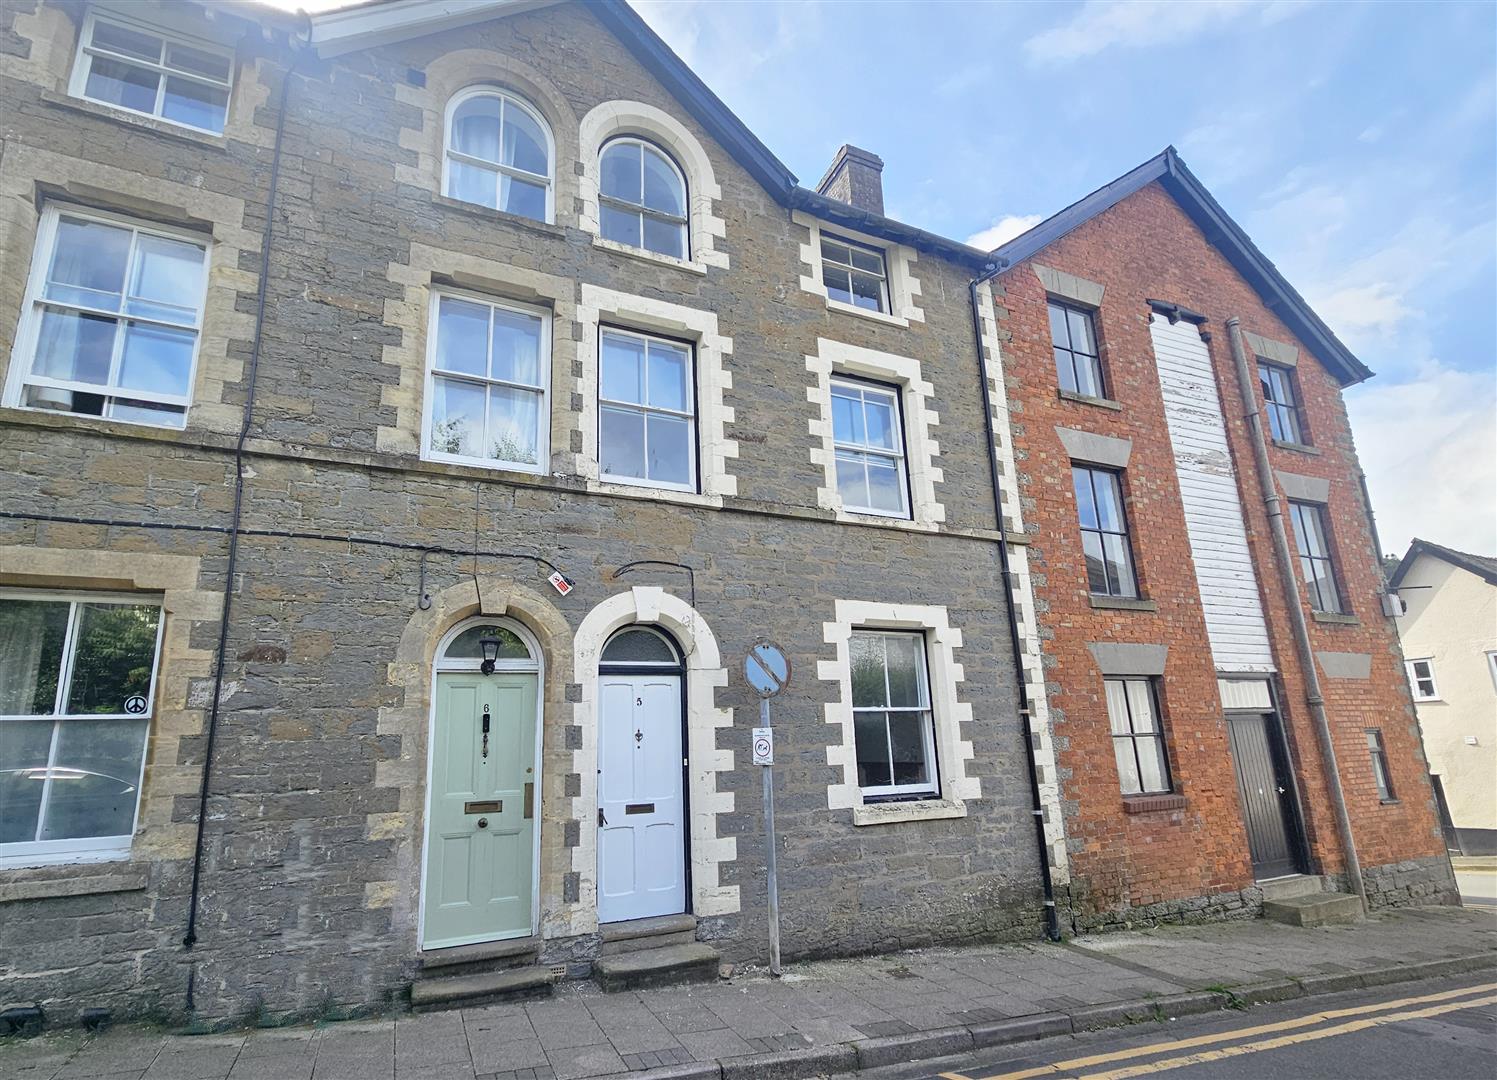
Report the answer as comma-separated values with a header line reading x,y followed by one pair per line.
x,y
77,682
1379,755
1137,740
892,722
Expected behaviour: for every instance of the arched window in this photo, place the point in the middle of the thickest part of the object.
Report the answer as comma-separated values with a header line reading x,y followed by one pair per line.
x,y
643,198
498,154
641,647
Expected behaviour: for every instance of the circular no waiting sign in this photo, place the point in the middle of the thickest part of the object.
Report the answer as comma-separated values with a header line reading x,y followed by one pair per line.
x,y
766,668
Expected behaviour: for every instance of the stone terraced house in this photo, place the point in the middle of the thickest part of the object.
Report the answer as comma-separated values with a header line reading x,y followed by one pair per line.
x,y
414,414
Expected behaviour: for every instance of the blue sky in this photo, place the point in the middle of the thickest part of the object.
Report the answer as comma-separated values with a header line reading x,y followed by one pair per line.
x,y
1356,143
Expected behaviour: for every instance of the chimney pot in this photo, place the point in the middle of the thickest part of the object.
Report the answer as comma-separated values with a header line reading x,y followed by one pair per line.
x,y
856,178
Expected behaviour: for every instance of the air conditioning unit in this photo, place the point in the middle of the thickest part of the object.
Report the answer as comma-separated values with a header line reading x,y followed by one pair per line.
x,y
1393,605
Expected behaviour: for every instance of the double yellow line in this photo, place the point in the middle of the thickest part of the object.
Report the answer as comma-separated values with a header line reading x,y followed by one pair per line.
x,y
1429,1005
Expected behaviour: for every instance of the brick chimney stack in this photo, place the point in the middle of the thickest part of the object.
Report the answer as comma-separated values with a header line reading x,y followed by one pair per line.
x,y
856,177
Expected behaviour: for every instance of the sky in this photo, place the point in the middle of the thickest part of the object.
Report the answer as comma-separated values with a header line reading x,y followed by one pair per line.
x,y
1356,144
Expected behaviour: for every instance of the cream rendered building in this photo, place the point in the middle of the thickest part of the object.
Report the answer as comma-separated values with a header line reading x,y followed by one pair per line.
x,y
1449,635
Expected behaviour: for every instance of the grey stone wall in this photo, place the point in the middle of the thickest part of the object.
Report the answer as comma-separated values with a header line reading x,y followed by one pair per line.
x,y
308,879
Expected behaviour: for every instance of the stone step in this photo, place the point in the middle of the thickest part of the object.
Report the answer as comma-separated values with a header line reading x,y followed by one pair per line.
x,y
657,967
1294,885
645,928
1321,909
485,987
512,952
619,946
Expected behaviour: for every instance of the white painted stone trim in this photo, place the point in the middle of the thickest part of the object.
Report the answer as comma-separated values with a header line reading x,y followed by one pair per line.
x,y
705,673
613,118
600,306
899,268
921,448
1021,596
949,712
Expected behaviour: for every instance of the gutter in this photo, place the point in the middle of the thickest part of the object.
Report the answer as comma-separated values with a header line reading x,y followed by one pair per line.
x,y
1285,563
1037,809
190,938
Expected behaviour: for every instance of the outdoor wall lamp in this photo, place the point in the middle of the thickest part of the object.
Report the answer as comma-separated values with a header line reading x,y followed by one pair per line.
x,y
490,647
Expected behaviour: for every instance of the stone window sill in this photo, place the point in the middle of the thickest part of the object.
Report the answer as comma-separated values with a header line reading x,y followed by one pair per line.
x,y
75,879
1389,802
864,313
1148,804
1298,448
95,425
488,213
1087,399
1328,618
164,128
648,256
1121,603
887,813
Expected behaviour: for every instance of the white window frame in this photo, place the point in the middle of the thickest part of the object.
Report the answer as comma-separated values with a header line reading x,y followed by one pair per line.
x,y
884,306
624,206
896,400
1492,667
543,363
88,848
23,353
449,154
87,50
926,709
1411,666
690,417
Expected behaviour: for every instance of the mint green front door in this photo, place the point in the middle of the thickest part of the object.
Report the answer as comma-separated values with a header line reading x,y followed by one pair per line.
x,y
480,831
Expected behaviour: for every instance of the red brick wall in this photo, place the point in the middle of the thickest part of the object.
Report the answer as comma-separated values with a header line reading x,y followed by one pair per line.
x,y
1147,248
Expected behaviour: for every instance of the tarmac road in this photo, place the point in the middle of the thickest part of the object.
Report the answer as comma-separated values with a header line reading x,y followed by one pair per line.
x,y
1441,1030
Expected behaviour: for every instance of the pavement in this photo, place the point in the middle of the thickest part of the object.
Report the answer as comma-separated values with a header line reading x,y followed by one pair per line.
x,y
1476,877
818,1019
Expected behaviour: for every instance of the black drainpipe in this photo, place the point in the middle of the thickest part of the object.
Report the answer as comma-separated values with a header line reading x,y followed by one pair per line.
x,y
191,937
1037,809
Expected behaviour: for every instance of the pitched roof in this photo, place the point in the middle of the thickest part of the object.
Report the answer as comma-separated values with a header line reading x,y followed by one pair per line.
x,y
1483,566
1222,232
381,22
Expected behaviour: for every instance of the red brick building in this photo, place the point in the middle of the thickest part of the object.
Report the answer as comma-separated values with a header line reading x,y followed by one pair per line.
x,y
1190,758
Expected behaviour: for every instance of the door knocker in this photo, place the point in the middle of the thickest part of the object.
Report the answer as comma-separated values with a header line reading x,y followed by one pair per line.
x,y
485,731
639,736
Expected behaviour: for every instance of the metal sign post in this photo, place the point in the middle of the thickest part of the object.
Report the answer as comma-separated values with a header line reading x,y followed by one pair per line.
x,y
768,671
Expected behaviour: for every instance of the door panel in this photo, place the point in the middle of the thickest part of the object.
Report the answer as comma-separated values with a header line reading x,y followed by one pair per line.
x,y
1265,796
479,878
641,834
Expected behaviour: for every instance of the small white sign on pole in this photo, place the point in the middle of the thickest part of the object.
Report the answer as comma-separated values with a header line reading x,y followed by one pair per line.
x,y
763,746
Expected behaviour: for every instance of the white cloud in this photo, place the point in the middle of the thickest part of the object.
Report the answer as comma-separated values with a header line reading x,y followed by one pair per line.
x,y
1429,448
1357,310
1104,24
1003,230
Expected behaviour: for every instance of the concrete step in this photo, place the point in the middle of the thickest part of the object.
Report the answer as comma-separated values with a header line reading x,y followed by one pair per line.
x,y
482,988
513,952
644,928
657,967
1322,909
619,946
1294,885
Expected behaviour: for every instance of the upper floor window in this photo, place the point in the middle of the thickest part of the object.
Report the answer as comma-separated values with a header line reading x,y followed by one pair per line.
x,y
1137,740
893,728
1310,537
854,274
1422,679
498,154
486,398
1073,335
643,198
152,73
111,320
77,683
1283,404
646,411
869,446
1104,532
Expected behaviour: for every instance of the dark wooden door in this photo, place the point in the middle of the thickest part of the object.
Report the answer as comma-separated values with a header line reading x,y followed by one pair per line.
x,y
1267,802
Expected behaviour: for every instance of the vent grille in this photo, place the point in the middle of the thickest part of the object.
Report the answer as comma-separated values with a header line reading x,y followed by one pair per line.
x,y
558,972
